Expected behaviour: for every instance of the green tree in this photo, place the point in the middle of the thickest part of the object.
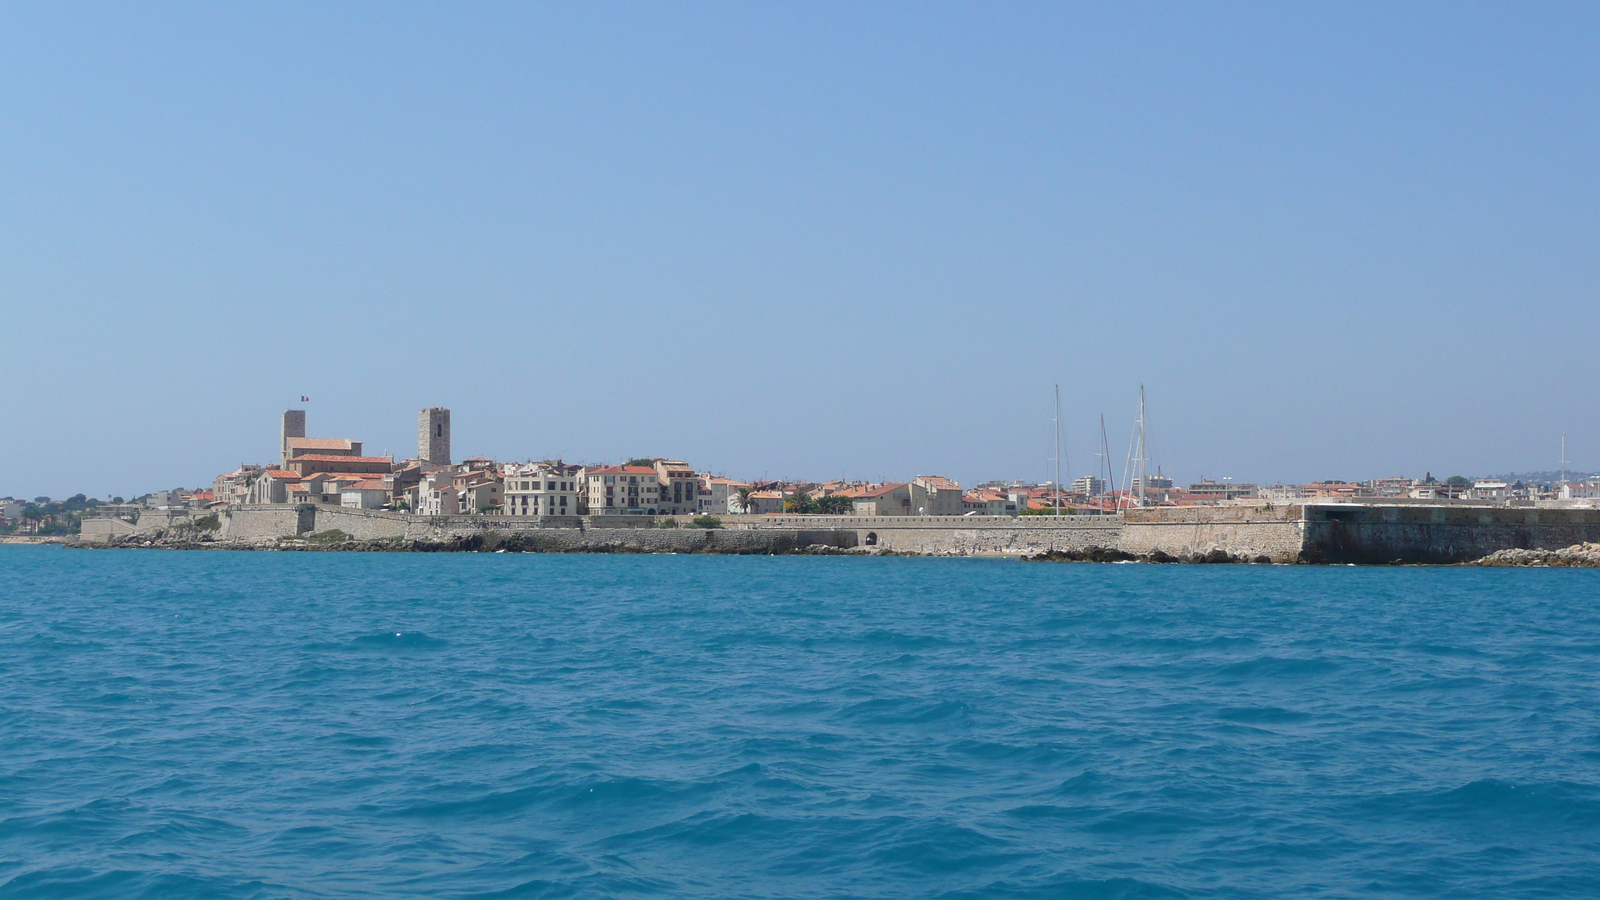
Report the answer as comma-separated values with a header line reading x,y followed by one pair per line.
x,y
1458,479
799,503
33,512
835,505
744,498
641,461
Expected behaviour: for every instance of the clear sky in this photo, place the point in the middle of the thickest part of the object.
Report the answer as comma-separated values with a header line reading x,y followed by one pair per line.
x,y
800,240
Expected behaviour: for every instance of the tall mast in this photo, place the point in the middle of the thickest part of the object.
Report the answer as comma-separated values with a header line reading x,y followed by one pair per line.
x,y
1105,460
1144,475
1057,483
1562,487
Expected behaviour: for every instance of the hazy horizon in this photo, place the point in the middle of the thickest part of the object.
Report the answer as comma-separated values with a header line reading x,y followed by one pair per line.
x,y
832,241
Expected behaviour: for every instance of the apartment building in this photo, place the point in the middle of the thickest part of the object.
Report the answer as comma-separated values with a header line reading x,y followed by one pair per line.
x,y
989,502
680,488
436,495
615,490
542,489
939,496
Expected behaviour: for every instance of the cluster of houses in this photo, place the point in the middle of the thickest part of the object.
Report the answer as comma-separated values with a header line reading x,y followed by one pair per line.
x,y
337,471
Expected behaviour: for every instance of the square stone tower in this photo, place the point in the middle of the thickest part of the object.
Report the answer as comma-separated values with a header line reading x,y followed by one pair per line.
x,y
294,426
433,436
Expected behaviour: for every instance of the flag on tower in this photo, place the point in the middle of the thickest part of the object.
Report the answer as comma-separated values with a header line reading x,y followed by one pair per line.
x,y
304,399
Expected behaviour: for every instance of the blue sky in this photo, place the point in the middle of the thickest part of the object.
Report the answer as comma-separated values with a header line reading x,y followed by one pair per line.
x,y
812,240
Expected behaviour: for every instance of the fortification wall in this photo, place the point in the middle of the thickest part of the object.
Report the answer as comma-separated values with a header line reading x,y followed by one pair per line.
x,y
1339,533
360,524
1016,538
253,524
1333,532
1250,532
103,531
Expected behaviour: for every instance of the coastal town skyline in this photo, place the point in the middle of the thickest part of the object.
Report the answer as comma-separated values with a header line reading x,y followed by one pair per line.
x,y
483,484
805,242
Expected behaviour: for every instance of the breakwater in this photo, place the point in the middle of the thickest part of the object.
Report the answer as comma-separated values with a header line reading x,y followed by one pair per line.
x,y
1302,532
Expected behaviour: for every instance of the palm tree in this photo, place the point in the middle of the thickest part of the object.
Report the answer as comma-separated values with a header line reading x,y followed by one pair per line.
x,y
744,498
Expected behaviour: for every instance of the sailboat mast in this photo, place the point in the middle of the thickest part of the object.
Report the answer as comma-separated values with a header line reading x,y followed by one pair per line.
x,y
1144,475
1057,483
1105,460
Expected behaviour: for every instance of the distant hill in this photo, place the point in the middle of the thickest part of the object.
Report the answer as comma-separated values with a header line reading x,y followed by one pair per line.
x,y
1550,476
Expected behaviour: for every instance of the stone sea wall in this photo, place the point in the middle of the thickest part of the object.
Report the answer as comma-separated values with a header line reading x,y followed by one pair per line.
x,y
1362,533
1273,533
1316,533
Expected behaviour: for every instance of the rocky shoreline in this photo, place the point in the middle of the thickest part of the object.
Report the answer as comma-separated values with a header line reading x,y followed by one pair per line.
x,y
1111,554
1575,556
1585,555
185,539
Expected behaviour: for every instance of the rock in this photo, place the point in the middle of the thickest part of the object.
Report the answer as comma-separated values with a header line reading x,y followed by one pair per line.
x,y
1577,555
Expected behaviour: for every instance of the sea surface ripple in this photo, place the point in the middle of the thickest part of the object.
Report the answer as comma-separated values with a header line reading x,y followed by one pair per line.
x,y
300,725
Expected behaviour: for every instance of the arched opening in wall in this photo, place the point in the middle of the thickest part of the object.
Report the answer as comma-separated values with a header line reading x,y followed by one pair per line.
x,y
872,539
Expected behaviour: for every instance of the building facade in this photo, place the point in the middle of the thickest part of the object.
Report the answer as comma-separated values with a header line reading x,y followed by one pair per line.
x,y
542,489
616,490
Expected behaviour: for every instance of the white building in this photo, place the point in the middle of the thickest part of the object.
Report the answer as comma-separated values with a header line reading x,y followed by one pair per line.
x,y
721,495
1490,490
437,496
542,489
369,494
1581,490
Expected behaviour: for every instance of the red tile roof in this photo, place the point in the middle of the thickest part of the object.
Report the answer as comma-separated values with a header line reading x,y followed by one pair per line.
x,y
623,470
314,457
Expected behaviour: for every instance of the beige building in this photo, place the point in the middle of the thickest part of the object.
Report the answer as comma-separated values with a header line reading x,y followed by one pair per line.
x,y
234,487
763,503
892,499
341,464
542,489
939,496
437,496
615,490
680,488
305,446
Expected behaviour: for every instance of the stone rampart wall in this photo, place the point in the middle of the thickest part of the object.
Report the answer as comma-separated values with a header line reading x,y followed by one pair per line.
x,y
361,524
979,541
1358,533
1250,532
252,524
1329,532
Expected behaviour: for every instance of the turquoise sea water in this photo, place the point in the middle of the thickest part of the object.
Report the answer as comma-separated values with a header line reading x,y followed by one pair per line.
x,y
263,725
